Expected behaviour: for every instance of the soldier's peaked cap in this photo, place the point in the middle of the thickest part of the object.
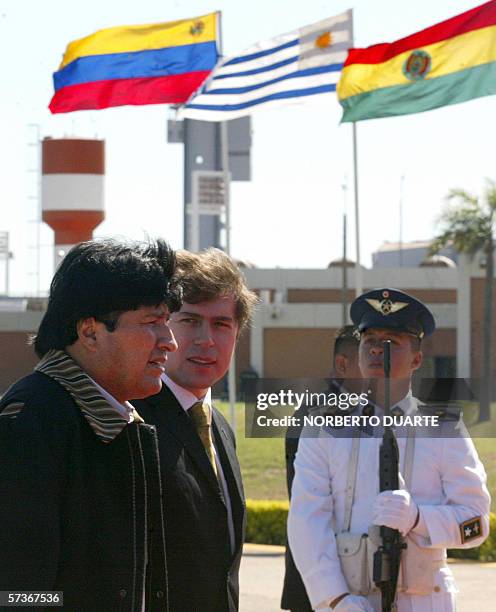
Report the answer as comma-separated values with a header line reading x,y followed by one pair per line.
x,y
392,309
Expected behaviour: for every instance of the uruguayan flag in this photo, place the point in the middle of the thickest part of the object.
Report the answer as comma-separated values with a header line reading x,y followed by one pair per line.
x,y
291,68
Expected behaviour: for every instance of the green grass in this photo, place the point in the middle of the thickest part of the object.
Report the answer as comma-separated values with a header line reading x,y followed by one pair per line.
x,y
262,461
486,447
484,437
263,467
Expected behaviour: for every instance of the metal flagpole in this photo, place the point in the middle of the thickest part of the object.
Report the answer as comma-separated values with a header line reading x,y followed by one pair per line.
x,y
231,374
400,250
358,268
194,234
344,287
224,145
7,266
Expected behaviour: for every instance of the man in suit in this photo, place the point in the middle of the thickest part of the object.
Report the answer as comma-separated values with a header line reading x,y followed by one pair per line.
x,y
204,503
345,367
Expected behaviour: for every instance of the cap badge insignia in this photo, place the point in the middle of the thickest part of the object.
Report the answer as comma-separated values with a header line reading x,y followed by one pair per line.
x,y
386,306
471,529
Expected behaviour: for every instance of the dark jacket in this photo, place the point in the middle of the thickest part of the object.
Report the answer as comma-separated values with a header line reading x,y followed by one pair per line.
x,y
80,493
294,595
202,569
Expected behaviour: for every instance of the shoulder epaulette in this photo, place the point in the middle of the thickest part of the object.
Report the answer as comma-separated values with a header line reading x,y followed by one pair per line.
x,y
444,413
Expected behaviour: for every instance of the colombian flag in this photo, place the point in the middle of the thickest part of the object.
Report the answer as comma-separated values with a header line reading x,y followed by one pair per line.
x,y
450,62
162,63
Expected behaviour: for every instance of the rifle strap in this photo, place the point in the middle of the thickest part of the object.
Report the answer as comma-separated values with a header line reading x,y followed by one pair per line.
x,y
351,481
353,468
409,453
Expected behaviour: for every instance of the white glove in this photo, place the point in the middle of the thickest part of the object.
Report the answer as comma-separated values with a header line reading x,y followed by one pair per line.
x,y
395,509
354,603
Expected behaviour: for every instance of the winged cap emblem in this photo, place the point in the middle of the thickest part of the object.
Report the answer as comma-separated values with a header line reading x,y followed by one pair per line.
x,y
386,306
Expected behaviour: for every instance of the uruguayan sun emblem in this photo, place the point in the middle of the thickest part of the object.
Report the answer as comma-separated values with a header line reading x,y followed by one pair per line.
x,y
324,40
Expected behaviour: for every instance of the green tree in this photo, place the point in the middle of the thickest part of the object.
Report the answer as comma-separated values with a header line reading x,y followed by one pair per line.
x,y
468,224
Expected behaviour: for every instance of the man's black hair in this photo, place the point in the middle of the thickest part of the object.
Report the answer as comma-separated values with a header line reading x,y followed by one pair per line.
x,y
347,337
102,279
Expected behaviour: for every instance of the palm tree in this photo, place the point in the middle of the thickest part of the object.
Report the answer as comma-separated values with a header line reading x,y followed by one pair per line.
x,y
468,224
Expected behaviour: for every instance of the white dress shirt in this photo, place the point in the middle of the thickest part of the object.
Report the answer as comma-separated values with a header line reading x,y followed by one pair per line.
x,y
125,410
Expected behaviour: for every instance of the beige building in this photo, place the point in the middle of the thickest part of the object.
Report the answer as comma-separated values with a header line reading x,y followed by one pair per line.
x,y
294,327
300,311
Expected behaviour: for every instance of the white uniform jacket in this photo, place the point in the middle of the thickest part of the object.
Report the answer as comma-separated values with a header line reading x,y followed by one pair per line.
x,y
447,483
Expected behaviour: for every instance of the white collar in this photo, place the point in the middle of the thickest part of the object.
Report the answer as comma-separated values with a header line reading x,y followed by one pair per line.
x,y
185,397
408,404
125,409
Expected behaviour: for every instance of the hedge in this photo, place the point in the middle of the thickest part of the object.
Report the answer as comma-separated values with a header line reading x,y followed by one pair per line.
x,y
266,521
266,524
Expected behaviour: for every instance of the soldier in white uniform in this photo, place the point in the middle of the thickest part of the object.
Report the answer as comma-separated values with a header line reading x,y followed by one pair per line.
x,y
443,501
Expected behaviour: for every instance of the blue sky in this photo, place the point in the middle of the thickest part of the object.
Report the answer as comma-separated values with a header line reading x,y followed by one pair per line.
x,y
290,214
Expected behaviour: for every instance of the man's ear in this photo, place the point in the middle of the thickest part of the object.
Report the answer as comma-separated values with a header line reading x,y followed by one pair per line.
x,y
417,360
340,365
86,331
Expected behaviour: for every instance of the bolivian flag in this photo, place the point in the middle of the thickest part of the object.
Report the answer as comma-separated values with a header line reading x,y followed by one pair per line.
x,y
162,63
450,62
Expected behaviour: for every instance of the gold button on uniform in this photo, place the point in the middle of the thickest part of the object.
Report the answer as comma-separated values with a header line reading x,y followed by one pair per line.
x,y
437,589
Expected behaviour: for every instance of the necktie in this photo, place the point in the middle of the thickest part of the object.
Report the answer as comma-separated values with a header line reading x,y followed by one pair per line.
x,y
202,419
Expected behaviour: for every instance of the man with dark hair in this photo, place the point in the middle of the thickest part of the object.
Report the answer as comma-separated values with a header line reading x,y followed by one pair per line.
x,y
345,367
203,492
442,500
80,485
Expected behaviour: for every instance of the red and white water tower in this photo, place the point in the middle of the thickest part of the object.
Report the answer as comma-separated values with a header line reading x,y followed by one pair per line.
x,y
72,190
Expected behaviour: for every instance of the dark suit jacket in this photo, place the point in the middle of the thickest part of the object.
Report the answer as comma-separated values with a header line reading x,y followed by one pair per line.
x,y
294,595
202,570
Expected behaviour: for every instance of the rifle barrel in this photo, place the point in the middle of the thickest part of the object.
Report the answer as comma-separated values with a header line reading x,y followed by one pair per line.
x,y
386,346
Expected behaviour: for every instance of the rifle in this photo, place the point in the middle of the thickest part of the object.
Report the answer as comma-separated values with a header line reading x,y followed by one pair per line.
x,y
387,557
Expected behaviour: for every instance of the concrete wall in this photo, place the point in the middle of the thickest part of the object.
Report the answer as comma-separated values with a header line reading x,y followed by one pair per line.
x,y
293,329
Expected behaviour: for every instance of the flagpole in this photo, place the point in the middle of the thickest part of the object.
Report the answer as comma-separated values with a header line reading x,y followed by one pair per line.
x,y
400,250
224,143
358,268
344,275
224,146
231,374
